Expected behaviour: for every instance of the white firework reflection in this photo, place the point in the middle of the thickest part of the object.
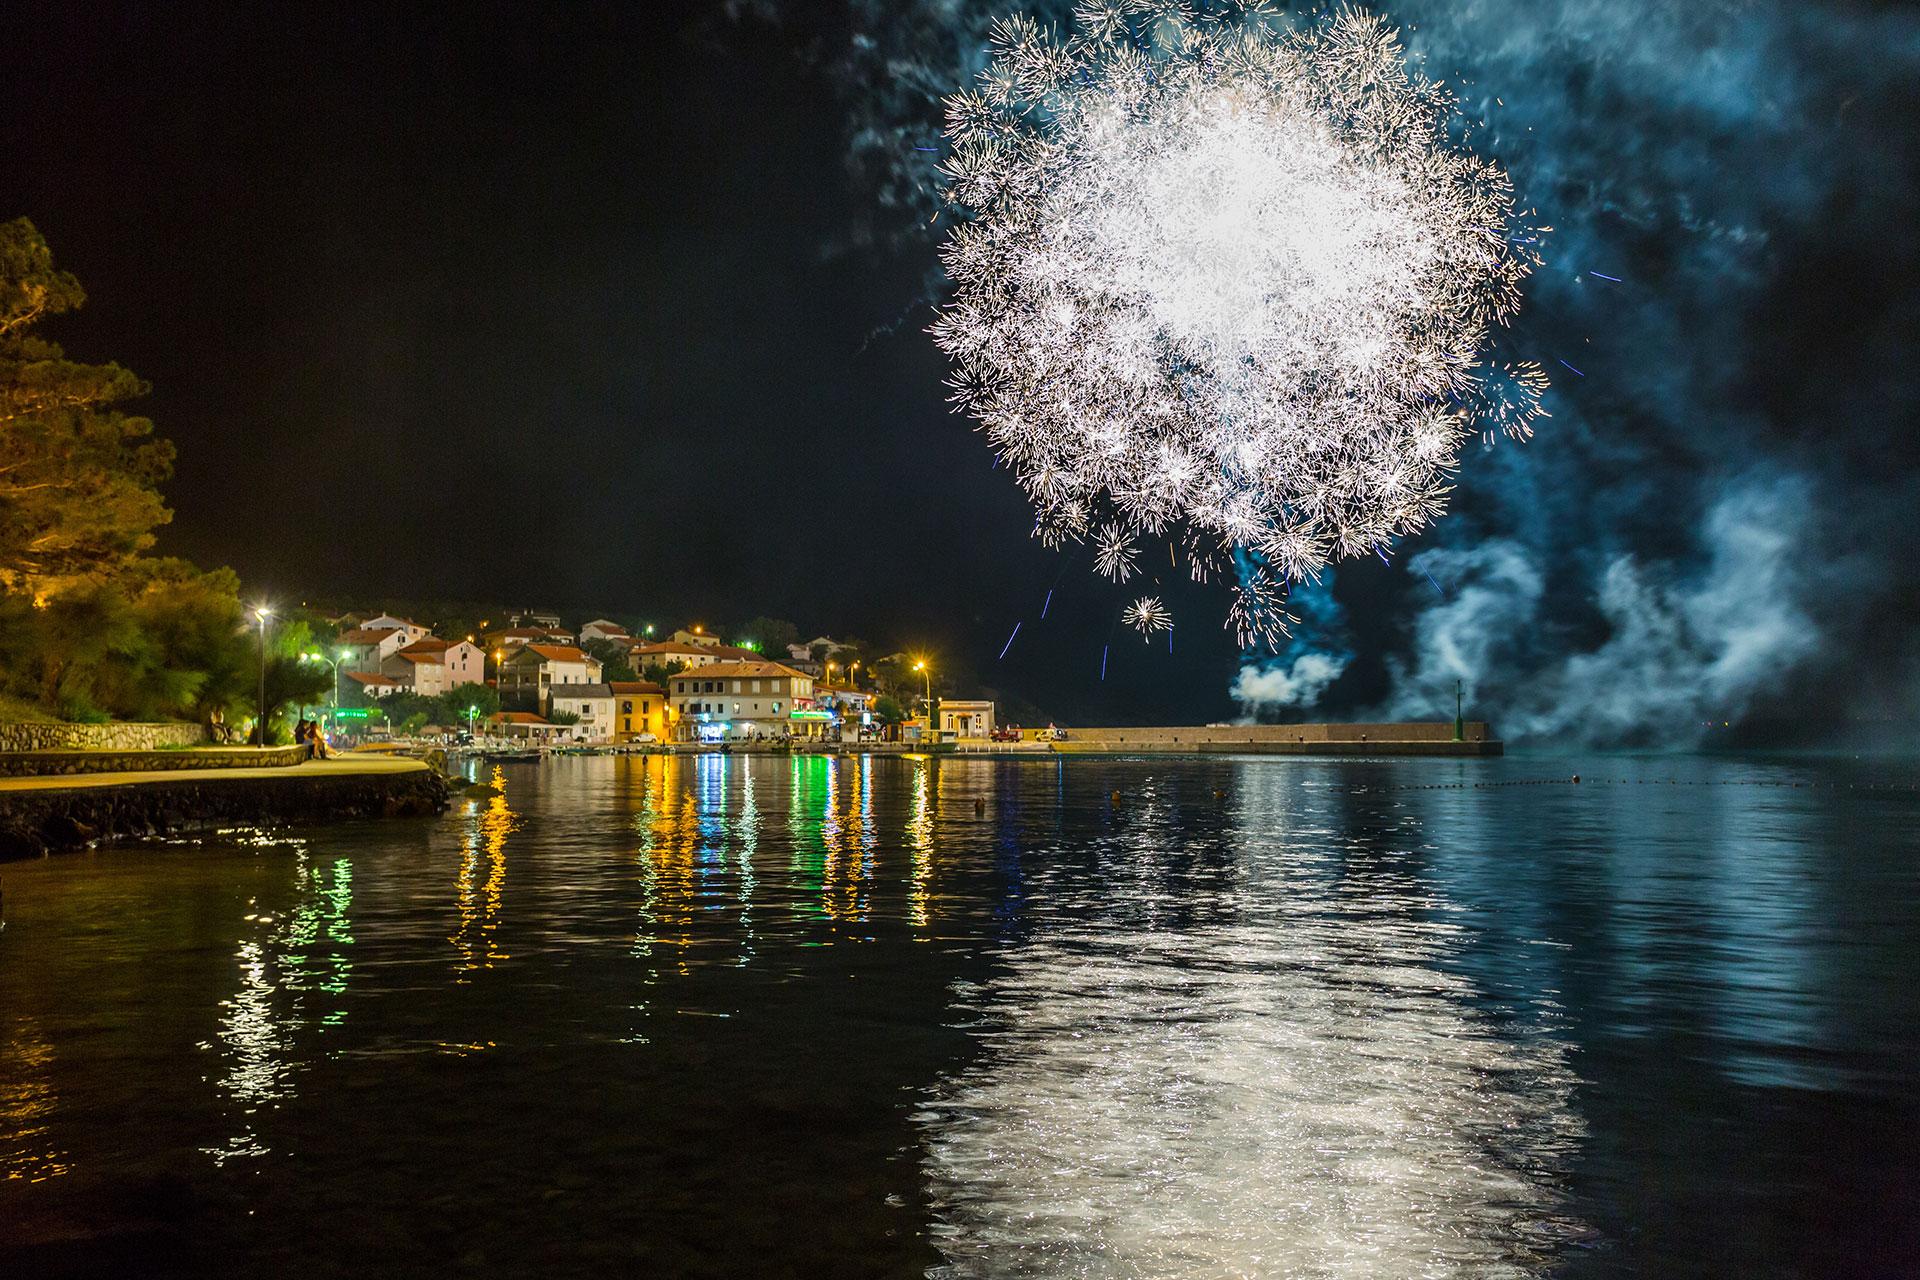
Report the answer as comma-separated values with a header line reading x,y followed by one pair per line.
x,y
1290,1084
1230,282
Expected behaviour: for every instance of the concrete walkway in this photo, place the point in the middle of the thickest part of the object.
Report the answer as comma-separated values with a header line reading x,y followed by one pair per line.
x,y
353,764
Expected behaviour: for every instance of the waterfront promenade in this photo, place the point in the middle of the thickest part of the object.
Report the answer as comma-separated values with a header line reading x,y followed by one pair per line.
x,y
46,813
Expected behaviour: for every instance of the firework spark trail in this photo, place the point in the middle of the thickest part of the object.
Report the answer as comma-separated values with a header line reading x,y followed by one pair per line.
x,y
1148,615
1226,283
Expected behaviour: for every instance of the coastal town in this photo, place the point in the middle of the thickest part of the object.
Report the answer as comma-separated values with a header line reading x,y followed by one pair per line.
x,y
532,679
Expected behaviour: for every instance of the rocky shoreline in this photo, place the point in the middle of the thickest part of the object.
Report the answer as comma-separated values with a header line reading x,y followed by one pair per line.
x,y
39,822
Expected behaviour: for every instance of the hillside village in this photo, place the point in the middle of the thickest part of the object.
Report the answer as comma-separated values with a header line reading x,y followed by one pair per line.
x,y
538,680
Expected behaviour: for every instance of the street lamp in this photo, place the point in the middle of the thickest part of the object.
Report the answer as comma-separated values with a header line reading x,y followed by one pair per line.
x,y
471,711
921,667
500,677
334,664
263,613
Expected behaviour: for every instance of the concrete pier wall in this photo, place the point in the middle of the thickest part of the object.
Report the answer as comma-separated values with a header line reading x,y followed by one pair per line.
x,y
50,819
1411,739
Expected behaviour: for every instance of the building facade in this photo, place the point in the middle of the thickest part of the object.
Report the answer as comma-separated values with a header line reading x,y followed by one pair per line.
x,y
732,701
531,673
965,720
639,711
592,705
368,648
418,670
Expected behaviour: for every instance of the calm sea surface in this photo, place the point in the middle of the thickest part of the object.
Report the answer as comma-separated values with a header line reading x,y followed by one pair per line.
x,y
1107,1018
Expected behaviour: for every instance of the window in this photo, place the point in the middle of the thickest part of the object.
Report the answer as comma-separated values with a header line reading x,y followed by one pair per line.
x,y
756,686
626,708
736,686
776,708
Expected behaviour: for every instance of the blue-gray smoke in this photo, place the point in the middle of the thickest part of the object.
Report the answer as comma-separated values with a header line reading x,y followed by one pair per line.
x,y
1714,521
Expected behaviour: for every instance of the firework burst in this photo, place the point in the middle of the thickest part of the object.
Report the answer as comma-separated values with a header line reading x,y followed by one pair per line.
x,y
1226,282
1147,615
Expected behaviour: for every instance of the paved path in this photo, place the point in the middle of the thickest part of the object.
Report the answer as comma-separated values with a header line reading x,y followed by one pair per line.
x,y
350,765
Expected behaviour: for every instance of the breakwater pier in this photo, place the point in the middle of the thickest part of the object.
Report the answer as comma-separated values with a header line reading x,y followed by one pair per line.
x,y
49,812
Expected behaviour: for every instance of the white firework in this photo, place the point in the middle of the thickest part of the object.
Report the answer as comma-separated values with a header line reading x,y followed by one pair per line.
x,y
1227,281
1114,552
1147,615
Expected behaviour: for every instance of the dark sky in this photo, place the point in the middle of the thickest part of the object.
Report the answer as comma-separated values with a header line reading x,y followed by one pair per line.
x,y
535,303
565,304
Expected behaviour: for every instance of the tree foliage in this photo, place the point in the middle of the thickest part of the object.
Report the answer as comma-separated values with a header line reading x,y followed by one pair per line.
x,y
770,635
614,661
79,496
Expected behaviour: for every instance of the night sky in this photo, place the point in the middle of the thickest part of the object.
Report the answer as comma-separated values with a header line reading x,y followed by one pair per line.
x,y
622,306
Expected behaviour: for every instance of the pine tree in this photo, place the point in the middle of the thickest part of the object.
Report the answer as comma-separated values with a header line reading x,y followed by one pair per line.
x,y
79,496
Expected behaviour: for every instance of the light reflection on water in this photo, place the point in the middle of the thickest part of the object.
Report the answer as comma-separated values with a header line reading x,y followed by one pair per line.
x,y
971,1018
289,965
1286,1084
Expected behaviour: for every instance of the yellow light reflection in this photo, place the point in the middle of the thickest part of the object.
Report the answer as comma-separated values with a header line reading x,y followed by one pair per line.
x,y
27,1100
478,897
920,843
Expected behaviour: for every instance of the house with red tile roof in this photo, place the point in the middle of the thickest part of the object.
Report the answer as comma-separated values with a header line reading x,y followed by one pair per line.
x,y
531,671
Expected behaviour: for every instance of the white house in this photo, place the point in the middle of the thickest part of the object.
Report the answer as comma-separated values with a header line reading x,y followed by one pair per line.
x,y
373,684
532,671
419,670
696,636
642,656
593,703
368,648
756,699
388,621
604,629
965,719
466,663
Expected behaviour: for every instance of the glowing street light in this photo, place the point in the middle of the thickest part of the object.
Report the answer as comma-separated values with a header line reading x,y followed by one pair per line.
x,y
921,667
262,612
334,663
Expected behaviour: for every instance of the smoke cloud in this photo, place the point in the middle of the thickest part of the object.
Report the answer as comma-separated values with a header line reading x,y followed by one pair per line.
x,y
1683,649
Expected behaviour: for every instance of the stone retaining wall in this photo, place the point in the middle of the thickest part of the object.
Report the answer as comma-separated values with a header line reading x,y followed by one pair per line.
x,y
100,737
54,764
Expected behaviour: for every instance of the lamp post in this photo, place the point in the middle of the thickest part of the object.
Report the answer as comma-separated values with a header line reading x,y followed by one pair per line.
x,y
263,613
921,667
1459,722
334,664
500,677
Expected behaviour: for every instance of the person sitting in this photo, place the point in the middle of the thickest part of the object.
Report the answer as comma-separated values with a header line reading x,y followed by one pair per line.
x,y
300,738
317,742
217,728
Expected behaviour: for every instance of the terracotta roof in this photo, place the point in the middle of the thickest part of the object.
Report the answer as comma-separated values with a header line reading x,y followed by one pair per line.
x,y
555,652
668,648
626,687
363,635
429,645
516,717
736,670
370,677
435,658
